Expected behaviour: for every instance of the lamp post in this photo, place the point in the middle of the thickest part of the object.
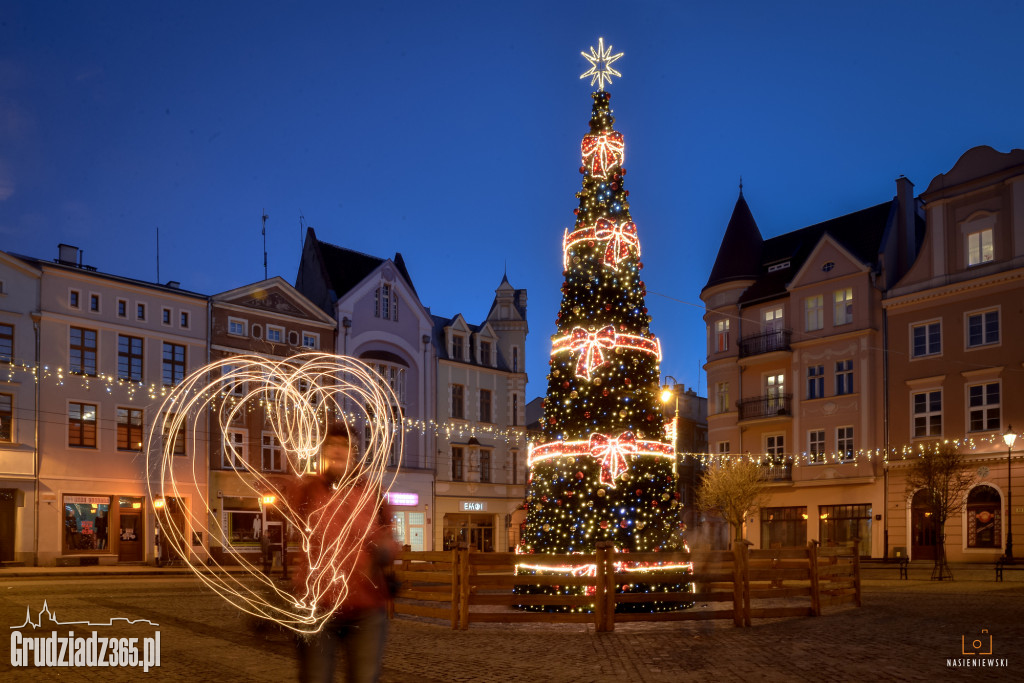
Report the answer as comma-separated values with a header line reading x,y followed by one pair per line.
x,y
670,392
1009,438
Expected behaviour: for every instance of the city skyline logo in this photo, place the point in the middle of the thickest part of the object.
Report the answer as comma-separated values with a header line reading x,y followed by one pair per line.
x,y
52,619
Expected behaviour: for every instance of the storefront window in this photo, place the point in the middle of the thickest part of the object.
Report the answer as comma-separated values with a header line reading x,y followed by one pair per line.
x,y
784,527
476,530
242,522
842,523
86,523
984,521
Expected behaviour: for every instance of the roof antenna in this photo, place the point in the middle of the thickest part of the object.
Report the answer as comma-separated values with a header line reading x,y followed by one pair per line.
x,y
741,186
265,217
302,230
158,254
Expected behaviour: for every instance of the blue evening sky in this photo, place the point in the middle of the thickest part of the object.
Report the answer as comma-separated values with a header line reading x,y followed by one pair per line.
x,y
450,131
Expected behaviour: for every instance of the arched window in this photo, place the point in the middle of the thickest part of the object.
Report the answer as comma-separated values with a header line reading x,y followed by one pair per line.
x,y
984,518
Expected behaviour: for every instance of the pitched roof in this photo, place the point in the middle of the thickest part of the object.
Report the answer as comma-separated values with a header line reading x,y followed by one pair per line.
x,y
347,268
738,256
860,233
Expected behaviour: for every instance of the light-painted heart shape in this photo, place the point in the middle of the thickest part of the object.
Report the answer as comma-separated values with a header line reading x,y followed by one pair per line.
x,y
299,397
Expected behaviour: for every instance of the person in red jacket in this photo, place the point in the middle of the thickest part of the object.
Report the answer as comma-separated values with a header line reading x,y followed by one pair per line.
x,y
350,545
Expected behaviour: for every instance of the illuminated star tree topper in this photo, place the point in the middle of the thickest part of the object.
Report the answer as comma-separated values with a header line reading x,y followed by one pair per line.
x,y
601,61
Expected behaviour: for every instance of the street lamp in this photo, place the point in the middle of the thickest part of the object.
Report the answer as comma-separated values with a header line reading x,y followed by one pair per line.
x,y
1009,438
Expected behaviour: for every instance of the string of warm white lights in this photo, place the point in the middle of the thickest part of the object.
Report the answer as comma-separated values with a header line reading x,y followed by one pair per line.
x,y
300,396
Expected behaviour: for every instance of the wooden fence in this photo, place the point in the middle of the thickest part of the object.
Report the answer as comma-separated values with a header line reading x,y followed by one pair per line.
x,y
463,586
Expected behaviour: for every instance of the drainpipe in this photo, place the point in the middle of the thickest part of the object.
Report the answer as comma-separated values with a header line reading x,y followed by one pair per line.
x,y
885,433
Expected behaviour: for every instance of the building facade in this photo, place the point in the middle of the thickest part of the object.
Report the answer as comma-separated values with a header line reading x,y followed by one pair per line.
x,y
795,367
481,399
110,349
273,321
956,361
19,457
382,323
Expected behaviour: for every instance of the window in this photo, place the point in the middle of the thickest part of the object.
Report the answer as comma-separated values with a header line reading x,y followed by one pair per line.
x,y
724,447
485,353
237,327
129,358
6,343
816,381
984,518
385,301
485,465
485,405
232,381
183,319
173,364
129,429
275,334
843,308
844,377
458,346
926,339
844,442
983,407
273,454
841,524
772,319
233,452
515,409
94,303
87,525
515,359
775,445
982,328
816,445
927,413
774,389
6,417
166,316
122,308
979,247
310,340
721,336
140,311
458,402
784,527
83,351
457,463
73,299
81,425
721,397
814,313
179,434
515,467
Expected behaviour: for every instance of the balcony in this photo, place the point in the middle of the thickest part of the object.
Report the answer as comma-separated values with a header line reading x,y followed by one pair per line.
x,y
766,342
759,407
777,470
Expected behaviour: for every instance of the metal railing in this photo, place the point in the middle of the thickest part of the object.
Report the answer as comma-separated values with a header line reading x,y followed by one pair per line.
x,y
766,342
777,470
766,406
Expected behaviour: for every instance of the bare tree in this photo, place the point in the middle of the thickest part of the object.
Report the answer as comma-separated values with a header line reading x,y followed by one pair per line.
x,y
943,475
734,489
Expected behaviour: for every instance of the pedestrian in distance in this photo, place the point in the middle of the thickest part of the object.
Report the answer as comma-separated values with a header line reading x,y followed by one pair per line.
x,y
346,526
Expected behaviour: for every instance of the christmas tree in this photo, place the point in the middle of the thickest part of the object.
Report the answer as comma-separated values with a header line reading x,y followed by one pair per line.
x,y
604,471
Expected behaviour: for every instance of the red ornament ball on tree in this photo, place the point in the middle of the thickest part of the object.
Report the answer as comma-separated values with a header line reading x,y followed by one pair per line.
x,y
604,524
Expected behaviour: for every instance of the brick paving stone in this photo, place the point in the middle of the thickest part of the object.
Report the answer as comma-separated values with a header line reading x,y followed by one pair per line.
x,y
904,632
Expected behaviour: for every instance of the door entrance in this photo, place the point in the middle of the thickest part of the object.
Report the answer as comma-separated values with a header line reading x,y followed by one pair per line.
x,y
130,541
923,532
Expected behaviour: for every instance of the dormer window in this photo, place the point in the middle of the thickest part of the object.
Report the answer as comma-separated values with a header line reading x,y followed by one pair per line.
x,y
458,347
485,353
979,247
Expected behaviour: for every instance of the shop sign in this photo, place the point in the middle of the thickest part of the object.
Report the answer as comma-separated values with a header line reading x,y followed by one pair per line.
x,y
473,506
405,499
87,500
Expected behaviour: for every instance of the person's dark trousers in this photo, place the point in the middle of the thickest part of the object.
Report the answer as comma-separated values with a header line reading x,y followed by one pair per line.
x,y
362,639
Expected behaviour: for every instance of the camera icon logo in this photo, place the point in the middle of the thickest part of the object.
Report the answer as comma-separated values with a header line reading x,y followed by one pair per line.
x,y
977,645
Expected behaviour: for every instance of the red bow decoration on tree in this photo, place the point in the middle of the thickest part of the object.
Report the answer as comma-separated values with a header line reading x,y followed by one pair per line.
x,y
620,236
589,345
613,452
602,151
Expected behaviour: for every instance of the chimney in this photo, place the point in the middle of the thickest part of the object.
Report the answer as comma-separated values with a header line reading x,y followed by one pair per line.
x,y
68,255
173,284
906,225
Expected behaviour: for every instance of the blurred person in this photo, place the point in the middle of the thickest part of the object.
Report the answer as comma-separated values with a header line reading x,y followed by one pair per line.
x,y
360,623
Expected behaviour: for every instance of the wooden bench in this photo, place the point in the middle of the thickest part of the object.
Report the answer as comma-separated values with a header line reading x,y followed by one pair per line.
x,y
1002,565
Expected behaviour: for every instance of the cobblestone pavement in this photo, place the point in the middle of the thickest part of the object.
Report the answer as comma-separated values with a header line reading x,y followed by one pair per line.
x,y
905,631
